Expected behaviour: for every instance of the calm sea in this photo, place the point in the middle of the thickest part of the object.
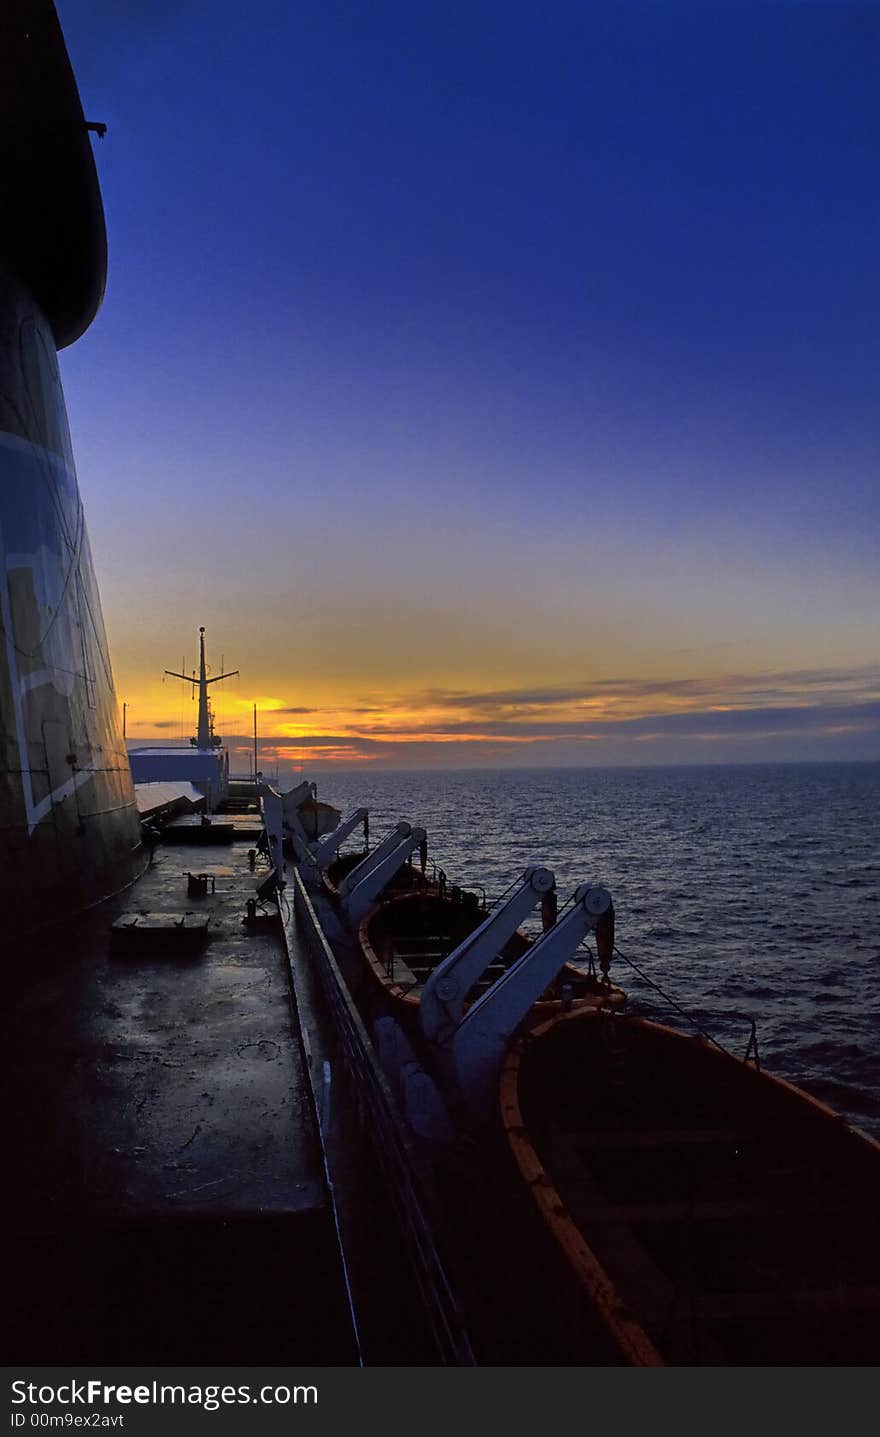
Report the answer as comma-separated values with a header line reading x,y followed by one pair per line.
x,y
743,892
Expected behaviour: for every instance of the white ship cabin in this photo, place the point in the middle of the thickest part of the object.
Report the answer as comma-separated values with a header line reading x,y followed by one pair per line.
x,y
206,769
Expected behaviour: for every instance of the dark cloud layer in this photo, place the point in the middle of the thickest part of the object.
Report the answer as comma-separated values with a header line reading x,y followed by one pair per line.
x,y
774,687
700,724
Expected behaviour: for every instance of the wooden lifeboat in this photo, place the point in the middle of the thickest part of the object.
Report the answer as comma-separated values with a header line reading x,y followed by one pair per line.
x,y
407,935
408,877
706,1213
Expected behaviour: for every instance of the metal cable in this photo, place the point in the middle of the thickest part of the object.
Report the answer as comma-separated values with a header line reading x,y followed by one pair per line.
x,y
671,1001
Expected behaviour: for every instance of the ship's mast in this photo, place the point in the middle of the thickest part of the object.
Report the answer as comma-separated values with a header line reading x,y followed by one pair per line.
x,y
204,738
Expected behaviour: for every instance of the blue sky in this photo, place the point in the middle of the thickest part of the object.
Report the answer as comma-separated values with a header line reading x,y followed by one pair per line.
x,y
528,347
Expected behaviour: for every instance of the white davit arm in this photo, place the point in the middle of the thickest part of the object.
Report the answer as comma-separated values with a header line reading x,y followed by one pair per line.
x,y
443,996
296,835
292,799
272,807
328,848
292,828
376,856
368,889
485,1030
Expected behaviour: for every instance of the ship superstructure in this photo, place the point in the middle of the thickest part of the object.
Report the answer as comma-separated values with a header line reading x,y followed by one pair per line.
x,y
204,762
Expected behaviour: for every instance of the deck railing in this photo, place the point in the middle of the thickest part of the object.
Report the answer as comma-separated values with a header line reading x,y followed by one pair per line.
x,y
383,1124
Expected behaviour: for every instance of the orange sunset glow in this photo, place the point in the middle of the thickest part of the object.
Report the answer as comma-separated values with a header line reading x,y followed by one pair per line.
x,y
606,720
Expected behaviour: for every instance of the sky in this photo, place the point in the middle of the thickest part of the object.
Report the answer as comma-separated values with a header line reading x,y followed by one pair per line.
x,y
496,382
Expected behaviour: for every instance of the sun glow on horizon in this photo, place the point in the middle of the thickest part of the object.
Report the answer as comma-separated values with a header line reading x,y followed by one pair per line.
x,y
594,720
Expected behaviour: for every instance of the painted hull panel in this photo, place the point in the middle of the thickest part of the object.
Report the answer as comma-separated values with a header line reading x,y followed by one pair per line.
x,y
69,830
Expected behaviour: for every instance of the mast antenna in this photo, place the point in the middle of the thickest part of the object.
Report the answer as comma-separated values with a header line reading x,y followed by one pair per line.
x,y
205,738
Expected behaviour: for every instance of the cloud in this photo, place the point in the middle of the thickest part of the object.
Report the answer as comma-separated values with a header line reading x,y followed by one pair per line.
x,y
772,687
602,720
697,721
699,725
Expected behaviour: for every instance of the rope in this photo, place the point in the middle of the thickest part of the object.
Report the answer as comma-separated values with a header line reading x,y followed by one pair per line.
x,y
496,901
591,957
569,903
671,1001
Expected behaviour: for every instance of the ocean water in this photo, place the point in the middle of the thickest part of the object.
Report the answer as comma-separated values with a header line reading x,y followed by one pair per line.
x,y
743,893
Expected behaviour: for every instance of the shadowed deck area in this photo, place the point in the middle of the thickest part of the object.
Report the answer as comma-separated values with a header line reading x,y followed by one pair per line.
x,y
166,1198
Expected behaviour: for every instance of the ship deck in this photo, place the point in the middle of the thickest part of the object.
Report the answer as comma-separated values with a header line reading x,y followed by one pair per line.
x,y
166,1197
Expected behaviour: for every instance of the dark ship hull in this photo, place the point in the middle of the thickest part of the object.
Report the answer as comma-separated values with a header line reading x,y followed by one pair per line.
x,y
69,831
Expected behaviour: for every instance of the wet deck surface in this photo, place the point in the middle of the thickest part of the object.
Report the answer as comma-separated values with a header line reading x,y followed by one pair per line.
x,y
157,1082
159,1120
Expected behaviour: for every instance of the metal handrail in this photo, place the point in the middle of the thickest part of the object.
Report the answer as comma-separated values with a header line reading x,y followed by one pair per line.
x,y
381,1118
